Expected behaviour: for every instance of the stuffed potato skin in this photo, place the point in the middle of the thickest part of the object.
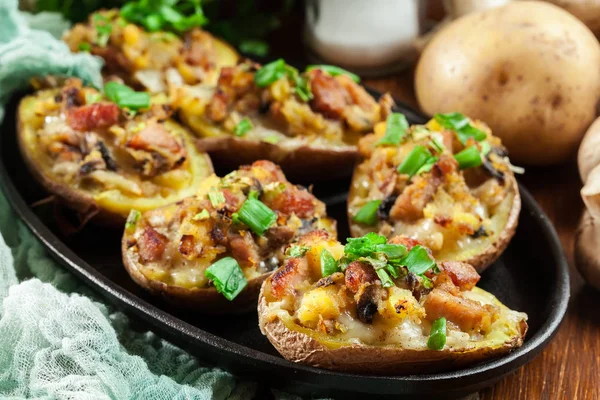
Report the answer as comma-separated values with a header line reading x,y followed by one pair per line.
x,y
462,214
90,155
168,250
304,135
345,341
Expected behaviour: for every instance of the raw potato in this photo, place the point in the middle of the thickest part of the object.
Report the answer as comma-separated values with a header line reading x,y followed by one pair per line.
x,y
529,69
588,11
587,243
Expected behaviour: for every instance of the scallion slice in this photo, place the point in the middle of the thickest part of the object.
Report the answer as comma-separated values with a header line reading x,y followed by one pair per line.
x,y
91,98
134,100
461,125
243,127
367,215
270,73
132,219
334,71
395,130
437,335
256,215
468,158
416,160
201,216
216,197
227,276
386,281
328,264
297,251
418,261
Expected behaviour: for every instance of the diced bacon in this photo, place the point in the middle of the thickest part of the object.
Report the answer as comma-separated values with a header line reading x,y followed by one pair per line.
x,y
294,271
407,242
269,171
329,96
357,274
294,201
232,201
410,204
357,93
462,274
243,249
447,164
216,109
154,137
198,48
151,245
189,247
93,116
469,315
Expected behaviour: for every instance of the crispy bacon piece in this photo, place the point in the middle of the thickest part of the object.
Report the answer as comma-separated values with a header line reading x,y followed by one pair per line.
x,y
329,96
270,172
243,249
294,201
294,271
447,164
407,242
469,315
462,274
151,245
410,204
216,109
93,116
155,137
198,48
357,93
359,273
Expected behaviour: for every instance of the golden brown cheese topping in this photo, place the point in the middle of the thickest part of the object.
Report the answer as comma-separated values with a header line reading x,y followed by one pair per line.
x,y
177,243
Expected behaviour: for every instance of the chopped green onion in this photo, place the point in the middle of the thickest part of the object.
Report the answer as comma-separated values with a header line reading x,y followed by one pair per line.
x,y
270,73
132,219
395,129
486,147
367,215
301,86
426,282
461,125
418,160
273,139
297,251
437,145
113,90
392,251
201,216
328,263
334,71
134,100
418,260
164,15
91,98
103,29
468,158
254,47
216,197
85,47
386,281
256,215
243,127
437,335
227,276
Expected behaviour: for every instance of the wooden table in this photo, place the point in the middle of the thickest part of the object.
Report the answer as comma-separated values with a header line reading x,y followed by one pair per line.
x,y
569,368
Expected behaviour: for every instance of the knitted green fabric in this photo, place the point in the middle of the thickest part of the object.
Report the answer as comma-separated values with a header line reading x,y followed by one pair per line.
x,y
56,339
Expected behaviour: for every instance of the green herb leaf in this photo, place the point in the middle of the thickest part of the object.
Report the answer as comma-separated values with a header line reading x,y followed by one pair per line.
x,y
85,47
418,160
216,197
468,158
103,29
257,48
328,264
418,261
392,251
386,281
334,71
395,130
227,276
461,125
256,215
201,216
243,127
367,215
297,251
132,219
363,246
270,73
437,335
301,85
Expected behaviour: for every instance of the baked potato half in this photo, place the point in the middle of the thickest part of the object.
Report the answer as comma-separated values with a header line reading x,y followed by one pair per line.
x,y
448,184
152,60
101,159
306,122
218,246
380,307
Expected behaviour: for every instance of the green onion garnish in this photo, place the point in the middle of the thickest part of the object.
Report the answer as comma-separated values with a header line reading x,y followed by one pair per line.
x,y
418,160
486,147
243,127
270,73
297,251
201,216
85,47
132,219
254,47
367,215
468,158
386,281
227,276
126,97
273,139
461,125
437,335
103,29
418,261
395,129
256,214
328,264
164,15
91,98
216,197
334,71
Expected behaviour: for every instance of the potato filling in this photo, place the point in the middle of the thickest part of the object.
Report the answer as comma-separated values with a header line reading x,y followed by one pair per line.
x,y
450,189
175,244
313,106
381,293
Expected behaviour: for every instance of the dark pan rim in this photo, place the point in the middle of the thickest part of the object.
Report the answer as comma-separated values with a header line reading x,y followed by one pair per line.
x,y
182,331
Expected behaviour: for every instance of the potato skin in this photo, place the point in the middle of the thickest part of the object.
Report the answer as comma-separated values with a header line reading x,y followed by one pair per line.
x,y
299,347
586,11
207,301
300,163
480,261
529,69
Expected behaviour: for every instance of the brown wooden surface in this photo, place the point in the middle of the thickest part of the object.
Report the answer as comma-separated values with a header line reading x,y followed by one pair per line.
x,y
569,368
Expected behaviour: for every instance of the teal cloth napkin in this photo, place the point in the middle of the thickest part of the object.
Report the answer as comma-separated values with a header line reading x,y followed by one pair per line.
x,y
57,340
